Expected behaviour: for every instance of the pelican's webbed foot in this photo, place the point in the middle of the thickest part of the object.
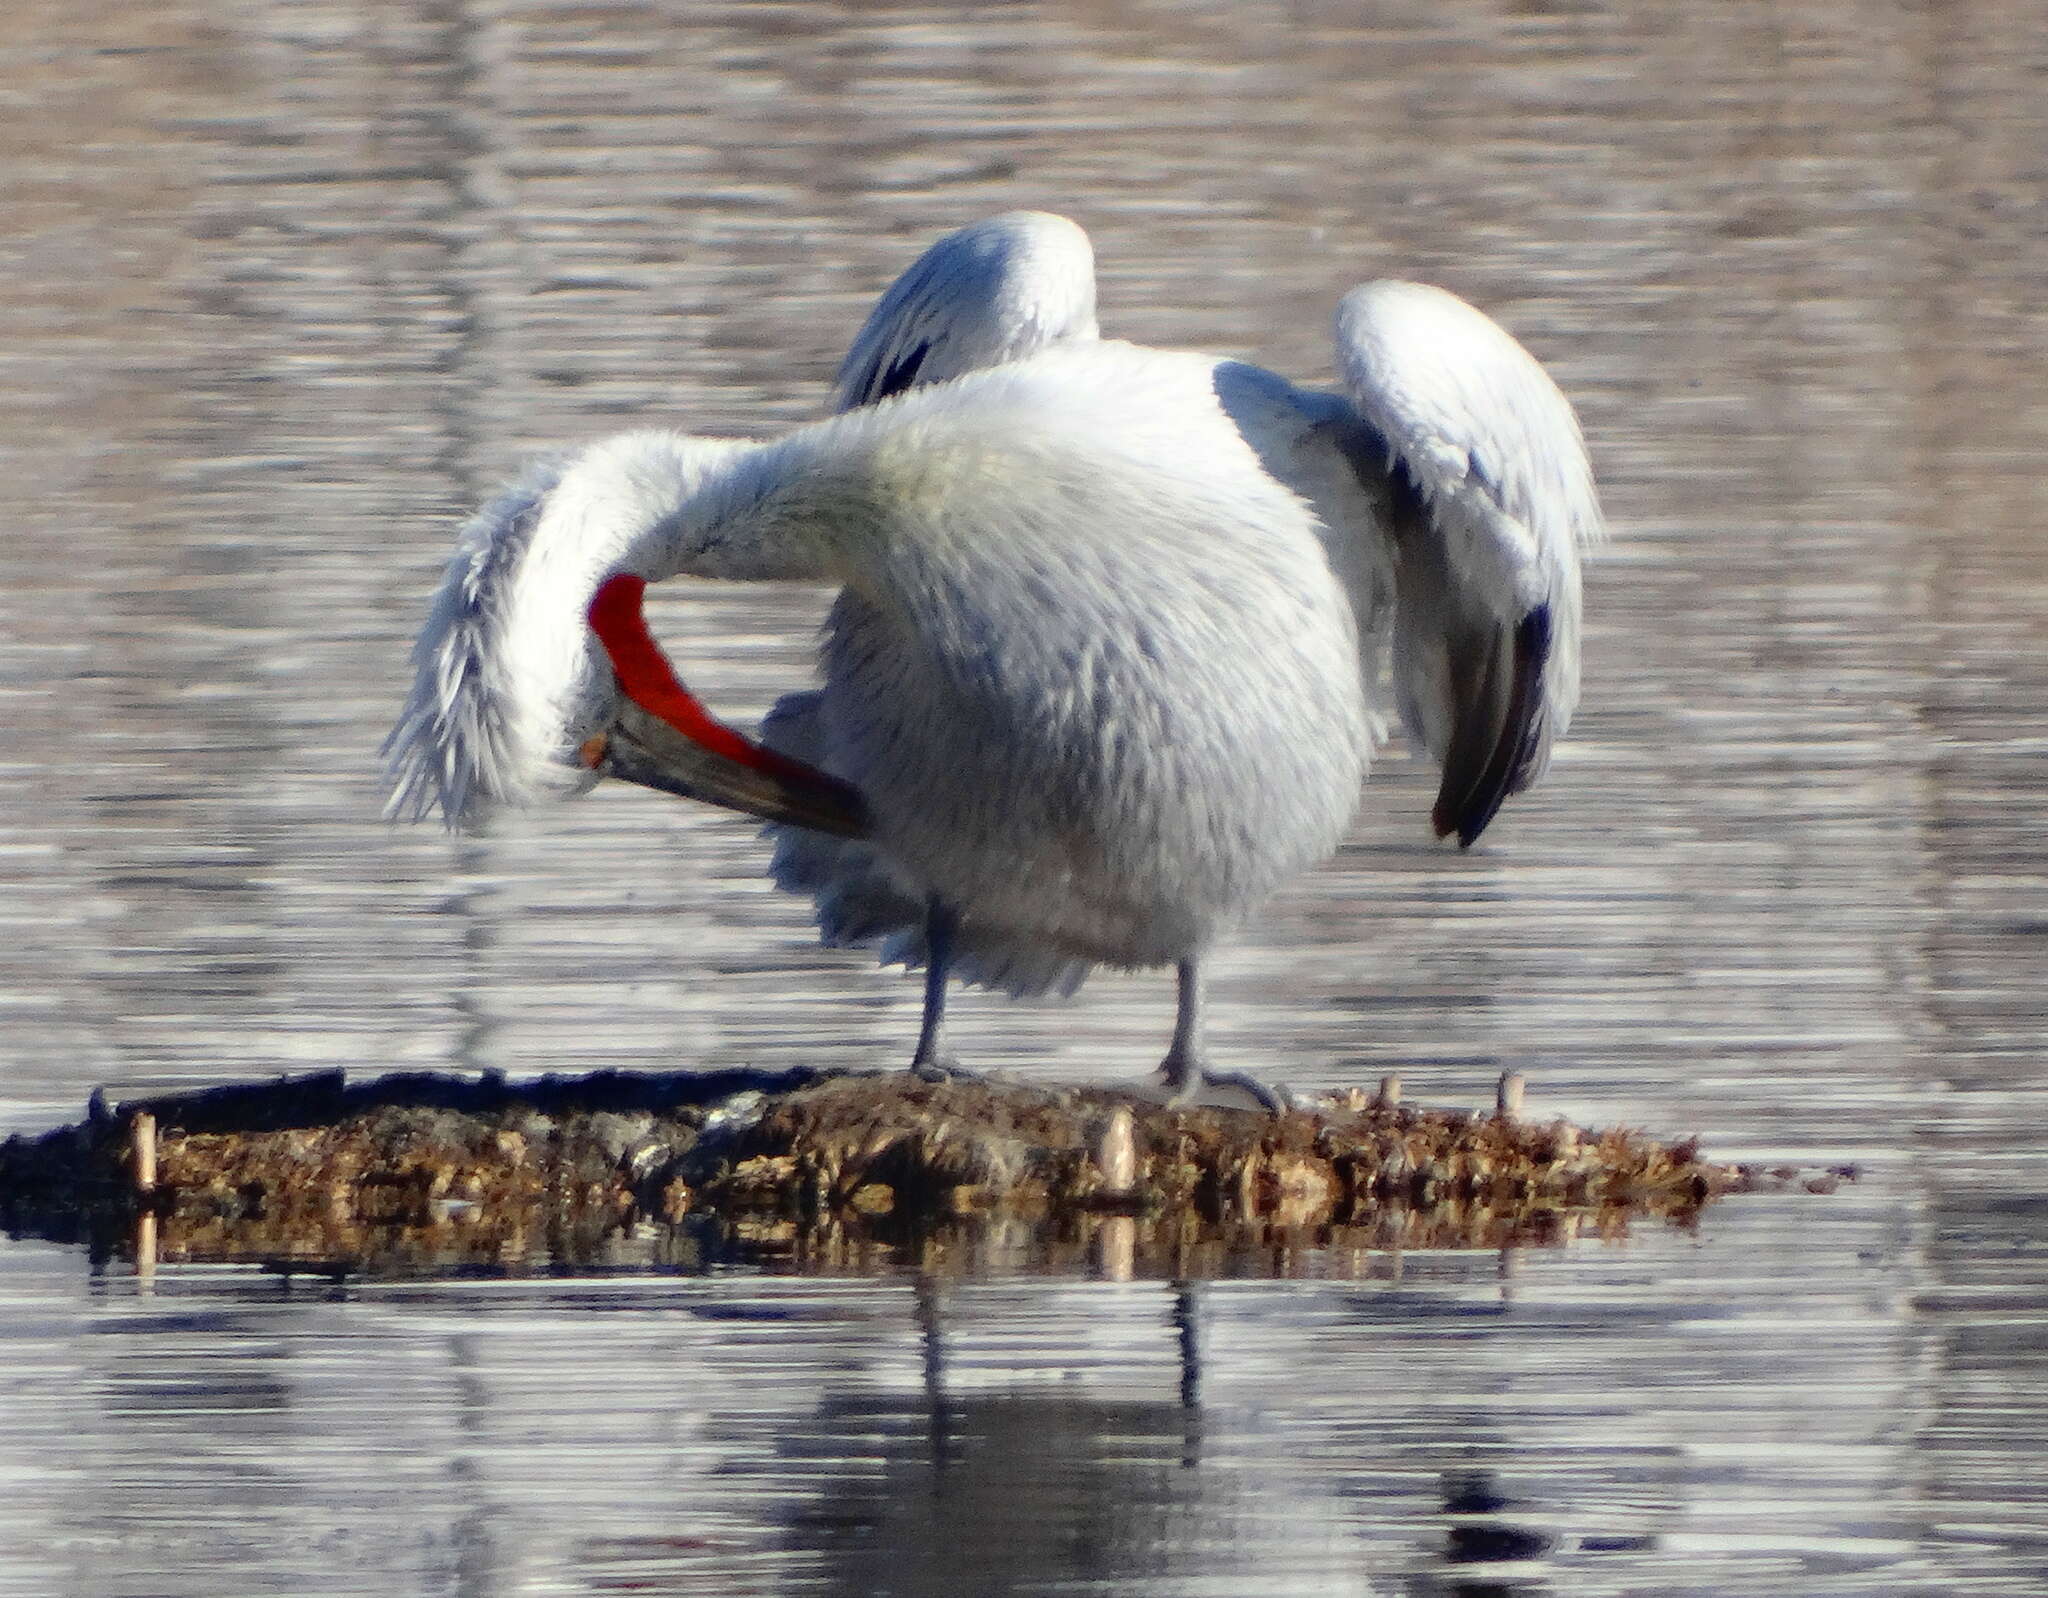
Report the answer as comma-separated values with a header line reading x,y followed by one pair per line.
x,y
944,1068
1185,1070
1188,1079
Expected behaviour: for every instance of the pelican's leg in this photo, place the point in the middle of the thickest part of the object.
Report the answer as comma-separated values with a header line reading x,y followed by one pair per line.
x,y
1186,1067
931,1062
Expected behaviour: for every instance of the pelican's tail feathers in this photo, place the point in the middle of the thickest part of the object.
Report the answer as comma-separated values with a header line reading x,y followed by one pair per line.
x,y
859,899
991,961
865,902
1018,970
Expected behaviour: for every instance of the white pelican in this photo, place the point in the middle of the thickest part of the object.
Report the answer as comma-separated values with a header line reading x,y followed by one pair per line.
x,y
1104,667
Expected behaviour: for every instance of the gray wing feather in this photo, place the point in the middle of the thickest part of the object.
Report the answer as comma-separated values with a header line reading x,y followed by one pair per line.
x,y
1493,501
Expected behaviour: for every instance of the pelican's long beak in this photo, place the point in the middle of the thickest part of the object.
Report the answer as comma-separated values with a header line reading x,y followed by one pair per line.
x,y
664,738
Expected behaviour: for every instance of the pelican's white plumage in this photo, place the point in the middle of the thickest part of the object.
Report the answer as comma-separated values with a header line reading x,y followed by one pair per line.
x,y
992,292
1477,430
1479,450
1105,662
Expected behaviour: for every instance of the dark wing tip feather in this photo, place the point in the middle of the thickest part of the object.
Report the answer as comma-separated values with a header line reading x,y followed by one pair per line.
x,y
900,375
873,375
1499,733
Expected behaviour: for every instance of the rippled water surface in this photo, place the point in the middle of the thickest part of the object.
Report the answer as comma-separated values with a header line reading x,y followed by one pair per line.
x,y
292,285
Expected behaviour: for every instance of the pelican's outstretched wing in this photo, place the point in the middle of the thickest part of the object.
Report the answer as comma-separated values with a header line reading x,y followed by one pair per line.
x,y
1493,501
992,292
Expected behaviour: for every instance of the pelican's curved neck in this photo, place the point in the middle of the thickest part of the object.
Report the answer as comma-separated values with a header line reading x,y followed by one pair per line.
x,y
660,504
509,679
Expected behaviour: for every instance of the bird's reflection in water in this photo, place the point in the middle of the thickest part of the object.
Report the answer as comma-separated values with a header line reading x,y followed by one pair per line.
x,y
1479,1535
1037,1481
1488,1530
1185,1316
1188,1328
1137,1457
931,1338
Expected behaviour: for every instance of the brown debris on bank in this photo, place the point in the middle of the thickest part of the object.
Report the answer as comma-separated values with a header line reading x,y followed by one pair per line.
x,y
424,1170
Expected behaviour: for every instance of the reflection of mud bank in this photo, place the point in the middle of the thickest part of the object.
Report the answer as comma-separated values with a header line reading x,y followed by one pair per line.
x,y
838,1172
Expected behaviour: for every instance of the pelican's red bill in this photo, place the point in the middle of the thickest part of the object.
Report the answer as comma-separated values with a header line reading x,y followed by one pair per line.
x,y
664,737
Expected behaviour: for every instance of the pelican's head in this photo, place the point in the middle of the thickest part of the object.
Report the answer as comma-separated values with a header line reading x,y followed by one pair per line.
x,y
535,674
510,684
501,694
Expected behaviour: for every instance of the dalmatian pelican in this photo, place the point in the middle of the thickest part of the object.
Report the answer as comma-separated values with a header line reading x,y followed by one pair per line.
x,y
1107,661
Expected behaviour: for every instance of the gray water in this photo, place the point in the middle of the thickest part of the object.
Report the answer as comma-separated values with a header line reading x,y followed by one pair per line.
x,y
290,286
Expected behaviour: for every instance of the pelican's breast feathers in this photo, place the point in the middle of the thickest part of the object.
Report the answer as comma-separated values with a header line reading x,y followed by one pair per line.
x,y
1086,591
